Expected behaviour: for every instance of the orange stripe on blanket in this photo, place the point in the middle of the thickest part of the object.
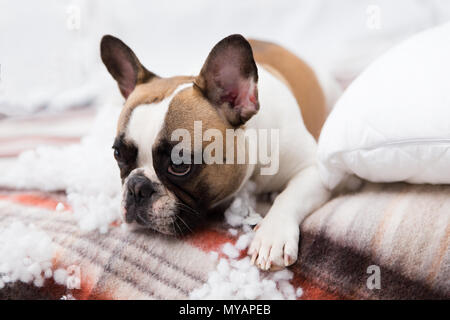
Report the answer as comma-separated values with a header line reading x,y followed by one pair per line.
x,y
30,199
213,240
209,240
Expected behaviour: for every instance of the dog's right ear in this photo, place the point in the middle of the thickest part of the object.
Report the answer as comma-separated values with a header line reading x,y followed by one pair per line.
x,y
123,64
229,79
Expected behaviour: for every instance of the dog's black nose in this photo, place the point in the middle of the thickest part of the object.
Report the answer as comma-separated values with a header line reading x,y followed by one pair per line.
x,y
140,187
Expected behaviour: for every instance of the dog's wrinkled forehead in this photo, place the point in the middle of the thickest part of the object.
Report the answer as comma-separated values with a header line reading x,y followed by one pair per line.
x,y
153,92
142,122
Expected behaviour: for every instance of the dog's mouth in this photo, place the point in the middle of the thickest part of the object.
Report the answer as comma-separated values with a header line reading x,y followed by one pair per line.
x,y
179,221
167,226
148,204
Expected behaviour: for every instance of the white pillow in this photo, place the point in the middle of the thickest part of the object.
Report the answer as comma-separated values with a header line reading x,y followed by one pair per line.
x,y
393,122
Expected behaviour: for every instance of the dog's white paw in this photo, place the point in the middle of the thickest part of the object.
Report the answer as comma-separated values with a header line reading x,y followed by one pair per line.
x,y
275,244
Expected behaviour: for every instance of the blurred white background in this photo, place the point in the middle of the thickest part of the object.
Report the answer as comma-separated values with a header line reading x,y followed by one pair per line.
x,y
49,49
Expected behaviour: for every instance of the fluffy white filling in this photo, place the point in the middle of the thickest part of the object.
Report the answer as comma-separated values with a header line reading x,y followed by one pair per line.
x,y
86,171
26,255
90,177
236,278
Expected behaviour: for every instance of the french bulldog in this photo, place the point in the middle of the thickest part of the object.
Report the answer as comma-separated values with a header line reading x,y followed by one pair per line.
x,y
243,85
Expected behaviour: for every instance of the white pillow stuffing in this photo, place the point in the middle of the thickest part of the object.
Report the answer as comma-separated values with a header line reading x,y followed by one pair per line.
x,y
393,122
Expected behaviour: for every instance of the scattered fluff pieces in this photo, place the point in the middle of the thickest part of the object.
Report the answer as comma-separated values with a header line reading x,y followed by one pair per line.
x,y
86,171
60,276
25,254
241,211
90,177
60,207
230,250
237,278
244,241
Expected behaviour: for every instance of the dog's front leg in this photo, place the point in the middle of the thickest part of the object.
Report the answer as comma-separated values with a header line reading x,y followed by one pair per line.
x,y
275,244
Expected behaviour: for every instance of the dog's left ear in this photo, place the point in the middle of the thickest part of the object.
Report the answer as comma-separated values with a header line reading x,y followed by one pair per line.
x,y
123,64
229,79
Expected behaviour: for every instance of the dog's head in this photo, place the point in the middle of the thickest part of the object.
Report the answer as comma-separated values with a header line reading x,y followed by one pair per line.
x,y
160,192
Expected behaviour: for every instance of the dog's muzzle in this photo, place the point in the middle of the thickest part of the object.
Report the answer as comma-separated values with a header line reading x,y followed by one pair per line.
x,y
147,203
140,192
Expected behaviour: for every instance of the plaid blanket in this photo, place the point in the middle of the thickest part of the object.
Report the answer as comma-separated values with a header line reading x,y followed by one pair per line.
x,y
401,231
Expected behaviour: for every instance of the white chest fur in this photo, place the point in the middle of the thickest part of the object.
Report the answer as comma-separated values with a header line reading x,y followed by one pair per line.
x,y
279,110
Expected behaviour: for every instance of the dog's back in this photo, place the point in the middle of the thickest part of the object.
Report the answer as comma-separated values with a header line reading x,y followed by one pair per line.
x,y
300,79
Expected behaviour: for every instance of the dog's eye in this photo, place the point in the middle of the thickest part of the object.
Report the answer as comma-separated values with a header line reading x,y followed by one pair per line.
x,y
179,169
116,153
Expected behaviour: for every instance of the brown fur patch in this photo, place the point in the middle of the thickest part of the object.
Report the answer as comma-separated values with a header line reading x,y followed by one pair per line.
x,y
150,92
299,77
214,182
